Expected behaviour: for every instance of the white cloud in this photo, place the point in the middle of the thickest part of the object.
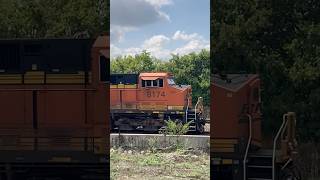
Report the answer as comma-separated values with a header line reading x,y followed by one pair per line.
x,y
159,3
157,45
157,41
181,35
195,43
192,46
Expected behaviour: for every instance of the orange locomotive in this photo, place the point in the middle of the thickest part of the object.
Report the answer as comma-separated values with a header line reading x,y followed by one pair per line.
x,y
238,149
54,108
143,101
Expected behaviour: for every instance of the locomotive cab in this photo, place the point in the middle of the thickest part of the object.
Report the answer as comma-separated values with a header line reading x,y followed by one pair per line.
x,y
158,91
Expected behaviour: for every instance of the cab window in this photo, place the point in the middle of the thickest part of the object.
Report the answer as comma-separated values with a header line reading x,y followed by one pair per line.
x,y
148,84
152,83
155,83
160,82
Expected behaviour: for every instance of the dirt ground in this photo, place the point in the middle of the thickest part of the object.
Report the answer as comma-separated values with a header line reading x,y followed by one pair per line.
x,y
145,165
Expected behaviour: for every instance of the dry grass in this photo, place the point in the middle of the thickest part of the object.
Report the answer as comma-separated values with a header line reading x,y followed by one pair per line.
x,y
180,164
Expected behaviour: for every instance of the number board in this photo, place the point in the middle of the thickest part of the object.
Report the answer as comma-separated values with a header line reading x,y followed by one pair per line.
x,y
155,94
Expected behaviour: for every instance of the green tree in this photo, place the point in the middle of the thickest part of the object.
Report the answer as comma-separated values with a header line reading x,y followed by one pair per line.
x,y
142,62
53,18
280,41
191,69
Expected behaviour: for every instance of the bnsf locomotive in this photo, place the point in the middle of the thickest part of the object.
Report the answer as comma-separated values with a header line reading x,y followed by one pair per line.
x,y
54,108
238,149
143,101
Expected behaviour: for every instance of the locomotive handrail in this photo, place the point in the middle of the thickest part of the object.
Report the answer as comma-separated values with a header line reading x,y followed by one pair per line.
x,y
247,148
195,110
283,125
187,110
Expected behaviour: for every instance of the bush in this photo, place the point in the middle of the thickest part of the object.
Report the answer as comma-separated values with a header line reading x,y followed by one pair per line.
x,y
175,127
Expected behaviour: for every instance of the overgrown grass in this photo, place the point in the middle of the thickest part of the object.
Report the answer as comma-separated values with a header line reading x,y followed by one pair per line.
x,y
178,164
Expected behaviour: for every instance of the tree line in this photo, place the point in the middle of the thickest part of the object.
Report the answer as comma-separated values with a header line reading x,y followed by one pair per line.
x,y
53,18
280,41
191,69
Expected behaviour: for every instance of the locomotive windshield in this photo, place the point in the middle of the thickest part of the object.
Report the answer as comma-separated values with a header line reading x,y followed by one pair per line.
x,y
171,82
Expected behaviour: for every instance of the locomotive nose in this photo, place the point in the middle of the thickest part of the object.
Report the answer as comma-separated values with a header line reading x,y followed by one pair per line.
x,y
189,90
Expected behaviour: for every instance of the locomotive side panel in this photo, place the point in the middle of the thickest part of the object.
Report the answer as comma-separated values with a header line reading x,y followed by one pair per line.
x,y
152,99
123,91
15,109
129,98
177,98
62,109
224,117
115,98
123,98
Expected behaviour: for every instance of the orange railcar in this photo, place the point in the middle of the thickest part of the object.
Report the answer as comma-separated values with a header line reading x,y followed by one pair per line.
x,y
54,99
143,101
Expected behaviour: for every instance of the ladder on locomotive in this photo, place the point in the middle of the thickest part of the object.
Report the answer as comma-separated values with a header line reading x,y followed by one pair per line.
x,y
262,164
192,116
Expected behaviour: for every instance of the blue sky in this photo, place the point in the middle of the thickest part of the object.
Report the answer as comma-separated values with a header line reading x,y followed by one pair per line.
x,y
161,27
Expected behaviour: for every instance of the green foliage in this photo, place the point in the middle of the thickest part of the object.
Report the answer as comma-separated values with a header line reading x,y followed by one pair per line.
x,y
143,62
53,18
191,69
280,41
176,128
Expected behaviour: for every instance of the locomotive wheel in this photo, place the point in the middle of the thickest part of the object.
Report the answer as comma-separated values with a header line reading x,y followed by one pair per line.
x,y
291,173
